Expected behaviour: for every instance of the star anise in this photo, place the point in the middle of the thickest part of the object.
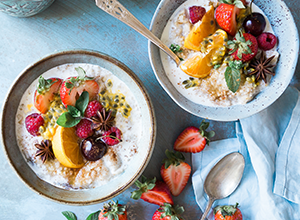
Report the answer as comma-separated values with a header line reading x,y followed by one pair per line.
x,y
262,67
103,120
44,150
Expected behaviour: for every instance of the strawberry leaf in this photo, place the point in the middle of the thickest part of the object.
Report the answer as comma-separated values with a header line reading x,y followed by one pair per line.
x,y
69,215
173,158
44,85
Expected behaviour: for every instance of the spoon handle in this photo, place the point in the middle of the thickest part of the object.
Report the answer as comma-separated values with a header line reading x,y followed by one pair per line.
x,y
115,9
208,207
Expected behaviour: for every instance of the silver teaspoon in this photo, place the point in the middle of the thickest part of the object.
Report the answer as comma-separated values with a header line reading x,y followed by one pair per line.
x,y
223,178
115,9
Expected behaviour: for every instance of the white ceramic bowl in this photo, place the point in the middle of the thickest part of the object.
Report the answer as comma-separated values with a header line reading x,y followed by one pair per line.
x,y
117,184
285,29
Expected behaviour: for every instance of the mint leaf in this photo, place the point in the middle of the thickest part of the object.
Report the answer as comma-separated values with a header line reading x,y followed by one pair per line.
x,y
82,102
69,215
66,120
233,75
93,216
75,113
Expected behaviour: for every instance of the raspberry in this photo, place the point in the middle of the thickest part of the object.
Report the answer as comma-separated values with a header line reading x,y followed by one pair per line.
x,y
196,13
92,108
33,122
112,136
266,41
84,129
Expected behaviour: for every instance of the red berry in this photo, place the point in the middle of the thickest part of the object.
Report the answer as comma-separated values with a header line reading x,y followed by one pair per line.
x,y
112,136
196,13
33,122
92,108
266,41
84,129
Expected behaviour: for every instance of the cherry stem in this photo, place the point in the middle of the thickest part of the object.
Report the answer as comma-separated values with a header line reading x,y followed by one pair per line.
x,y
111,136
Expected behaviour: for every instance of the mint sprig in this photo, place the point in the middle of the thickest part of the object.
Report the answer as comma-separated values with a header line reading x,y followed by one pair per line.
x,y
69,215
233,75
74,114
93,216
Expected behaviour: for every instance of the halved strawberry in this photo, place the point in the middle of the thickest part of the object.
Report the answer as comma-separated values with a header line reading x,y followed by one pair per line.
x,y
226,14
175,172
196,13
192,139
72,88
44,93
152,191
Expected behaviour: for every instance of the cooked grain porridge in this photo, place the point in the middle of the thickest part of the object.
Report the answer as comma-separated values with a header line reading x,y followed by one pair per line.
x,y
211,90
93,173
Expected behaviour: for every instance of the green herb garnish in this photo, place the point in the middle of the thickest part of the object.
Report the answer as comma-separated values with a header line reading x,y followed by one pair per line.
x,y
176,49
233,75
69,215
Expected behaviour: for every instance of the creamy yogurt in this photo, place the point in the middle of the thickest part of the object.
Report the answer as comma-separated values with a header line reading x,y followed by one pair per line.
x,y
92,174
212,90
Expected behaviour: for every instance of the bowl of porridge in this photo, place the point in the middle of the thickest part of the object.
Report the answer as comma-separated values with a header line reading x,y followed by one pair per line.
x,y
78,127
205,82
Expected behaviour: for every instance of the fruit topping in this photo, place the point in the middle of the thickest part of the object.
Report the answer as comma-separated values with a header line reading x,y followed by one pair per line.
x,y
243,47
233,74
168,212
72,88
175,172
226,14
92,149
200,30
192,139
152,191
44,150
92,109
261,67
112,211
196,13
190,83
254,24
66,148
33,122
44,93
228,212
112,136
103,120
266,41
197,66
84,129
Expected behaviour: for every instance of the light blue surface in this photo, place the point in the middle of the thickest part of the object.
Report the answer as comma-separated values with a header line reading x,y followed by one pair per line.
x,y
73,24
270,185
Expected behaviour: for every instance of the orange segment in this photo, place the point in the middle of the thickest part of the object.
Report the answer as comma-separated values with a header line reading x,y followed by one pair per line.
x,y
197,66
200,30
66,148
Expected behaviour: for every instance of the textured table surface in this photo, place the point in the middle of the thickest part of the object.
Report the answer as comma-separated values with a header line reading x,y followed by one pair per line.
x,y
77,24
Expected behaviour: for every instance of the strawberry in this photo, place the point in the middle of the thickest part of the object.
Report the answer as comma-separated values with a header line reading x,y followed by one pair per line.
x,y
196,13
113,211
226,14
168,212
175,172
33,122
152,191
228,212
243,47
192,139
44,93
72,88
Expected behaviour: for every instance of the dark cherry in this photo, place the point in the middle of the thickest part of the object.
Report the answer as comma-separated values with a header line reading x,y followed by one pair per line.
x,y
254,24
92,149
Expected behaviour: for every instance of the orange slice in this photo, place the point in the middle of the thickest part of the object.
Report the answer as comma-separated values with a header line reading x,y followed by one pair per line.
x,y
66,148
200,30
197,66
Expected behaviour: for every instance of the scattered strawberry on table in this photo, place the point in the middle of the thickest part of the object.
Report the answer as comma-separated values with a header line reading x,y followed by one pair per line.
x,y
168,212
192,139
175,172
228,212
152,191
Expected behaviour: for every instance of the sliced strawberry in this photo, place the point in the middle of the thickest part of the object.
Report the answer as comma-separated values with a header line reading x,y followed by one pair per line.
x,y
243,47
175,172
192,139
72,88
152,191
196,13
44,94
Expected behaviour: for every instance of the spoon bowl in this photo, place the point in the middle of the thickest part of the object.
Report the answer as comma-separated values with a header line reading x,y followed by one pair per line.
x,y
223,178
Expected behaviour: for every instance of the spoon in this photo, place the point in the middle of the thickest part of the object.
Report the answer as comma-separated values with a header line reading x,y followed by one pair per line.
x,y
223,178
115,9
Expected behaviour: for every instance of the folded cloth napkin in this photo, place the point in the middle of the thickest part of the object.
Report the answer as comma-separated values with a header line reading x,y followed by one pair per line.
x,y
270,144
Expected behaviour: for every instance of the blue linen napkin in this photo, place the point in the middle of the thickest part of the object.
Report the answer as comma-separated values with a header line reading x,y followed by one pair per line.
x,y
270,144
